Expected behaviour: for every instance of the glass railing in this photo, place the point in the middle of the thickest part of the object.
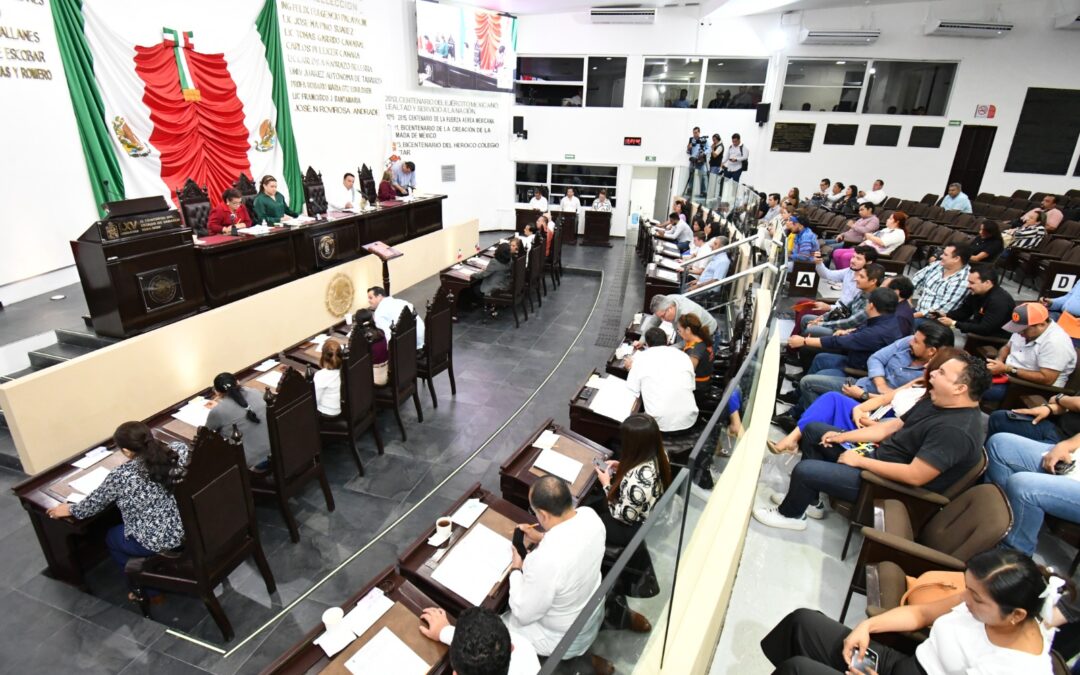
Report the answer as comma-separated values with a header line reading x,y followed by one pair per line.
x,y
735,202
643,577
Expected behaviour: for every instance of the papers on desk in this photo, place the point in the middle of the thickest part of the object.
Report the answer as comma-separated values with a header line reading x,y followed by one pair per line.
x,y
624,350
558,464
254,230
479,261
474,565
301,220
386,653
638,318
667,275
670,264
194,412
465,269
595,382
75,498
668,328
270,379
266,365
334,640
93,457
614,399
547,440
468,513
319,340
88,483
369,610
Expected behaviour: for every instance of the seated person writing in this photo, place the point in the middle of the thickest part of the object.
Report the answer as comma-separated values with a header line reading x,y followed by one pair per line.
x,y
677,228
327,380
987,307
387,193
142,490
269,205
245,409
480,643
936,443
232,214
1038,351
993,627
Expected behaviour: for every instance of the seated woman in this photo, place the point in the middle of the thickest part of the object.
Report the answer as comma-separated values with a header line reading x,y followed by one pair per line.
x,y
327,379
244,409
230,215
697,343
1030,234
269,205
387,192
142,490
994,627
497,276
845,412
986,247
380,351
884,241
848,205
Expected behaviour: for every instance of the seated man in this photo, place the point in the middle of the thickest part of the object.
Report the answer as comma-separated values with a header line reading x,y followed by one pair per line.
x,y
1051,422
955,199
1049,207
905,313
550,587
713,268
846,318
698,245
866,223
893,366
669,308
1065,310
826,371
942,285
805,243
484,645
987,307
932,446
676,227
863,256
345,197
664,378
1039,351
876,196
386,310
773,202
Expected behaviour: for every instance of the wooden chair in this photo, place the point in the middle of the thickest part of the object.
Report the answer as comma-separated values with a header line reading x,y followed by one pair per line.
x,y
220,530
896,263
516,295
295,459
357,399
553,262
1021,194
401,381
930,199
438,353
194,207
535,272
314,193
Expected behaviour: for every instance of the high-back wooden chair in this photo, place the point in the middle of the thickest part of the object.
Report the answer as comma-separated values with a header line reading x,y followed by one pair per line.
x,y
220,530
535,271
357,398
248,191
292,422
401,381
194,206
516,295
438,354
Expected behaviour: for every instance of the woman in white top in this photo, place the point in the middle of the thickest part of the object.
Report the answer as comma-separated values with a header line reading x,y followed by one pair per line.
x,y
601,202
327,379
993,627
539,201
892,237
570,201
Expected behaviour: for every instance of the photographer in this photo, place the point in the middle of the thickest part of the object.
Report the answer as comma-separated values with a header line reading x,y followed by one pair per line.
x,y
698,150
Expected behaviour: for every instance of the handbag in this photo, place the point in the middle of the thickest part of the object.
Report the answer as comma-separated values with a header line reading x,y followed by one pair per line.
x,y
931,587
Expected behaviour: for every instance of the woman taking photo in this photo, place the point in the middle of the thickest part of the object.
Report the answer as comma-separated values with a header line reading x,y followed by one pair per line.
x,y
697,343
327,379
994,627
269,205
244,409
142,489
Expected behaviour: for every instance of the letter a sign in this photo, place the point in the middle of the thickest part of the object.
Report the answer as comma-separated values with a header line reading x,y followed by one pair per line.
x,y
1063,282
806,280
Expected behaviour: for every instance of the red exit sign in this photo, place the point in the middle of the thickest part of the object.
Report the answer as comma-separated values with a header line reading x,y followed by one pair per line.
x,y
631,140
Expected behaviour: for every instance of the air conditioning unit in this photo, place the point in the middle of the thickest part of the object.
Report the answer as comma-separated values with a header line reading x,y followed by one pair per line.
x,y
839,37
640,15
1069,21
974,29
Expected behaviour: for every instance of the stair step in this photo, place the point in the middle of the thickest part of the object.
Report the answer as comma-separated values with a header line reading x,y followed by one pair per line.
x,y
81,336
16,375
54,354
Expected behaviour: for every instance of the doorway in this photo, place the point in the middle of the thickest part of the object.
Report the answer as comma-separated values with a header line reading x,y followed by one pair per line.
x,y
972,153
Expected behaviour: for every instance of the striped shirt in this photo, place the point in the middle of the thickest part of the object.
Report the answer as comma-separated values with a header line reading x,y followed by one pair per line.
x,y
937,291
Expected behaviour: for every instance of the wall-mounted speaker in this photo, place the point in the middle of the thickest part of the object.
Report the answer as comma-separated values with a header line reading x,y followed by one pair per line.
x,y
519,124
762,113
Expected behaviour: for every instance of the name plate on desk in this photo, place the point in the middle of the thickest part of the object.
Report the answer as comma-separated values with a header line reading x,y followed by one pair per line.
x,y
116,229
161,287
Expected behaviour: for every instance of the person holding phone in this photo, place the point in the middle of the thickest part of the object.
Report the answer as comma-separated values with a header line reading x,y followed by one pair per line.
x,y
994,627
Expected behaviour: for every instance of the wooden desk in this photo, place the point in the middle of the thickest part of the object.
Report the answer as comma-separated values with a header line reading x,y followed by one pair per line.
x,y
614,365
459,277
501,516
236,267
659,281
517,474
326,243
597,228
597,428
307,657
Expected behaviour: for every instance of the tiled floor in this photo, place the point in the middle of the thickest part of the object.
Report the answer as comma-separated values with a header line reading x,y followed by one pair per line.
x,y
47,626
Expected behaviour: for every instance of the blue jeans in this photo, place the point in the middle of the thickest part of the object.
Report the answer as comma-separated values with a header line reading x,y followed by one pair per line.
x,y
1044,431
122,548
703,179
1016,467
818,331
683,246
996,392
819,472
733,175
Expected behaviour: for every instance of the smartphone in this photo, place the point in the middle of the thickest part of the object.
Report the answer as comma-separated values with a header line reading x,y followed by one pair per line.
x,y
600,464
867,663
1016,416
519,542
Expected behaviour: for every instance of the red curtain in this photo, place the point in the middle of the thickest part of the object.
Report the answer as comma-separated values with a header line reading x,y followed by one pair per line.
x,y
203,140
488,35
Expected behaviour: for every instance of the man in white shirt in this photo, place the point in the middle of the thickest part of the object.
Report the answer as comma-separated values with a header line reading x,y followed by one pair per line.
x,y
735,158
539,202
386,309
483,645
669,308
875,196
570,201
554,582
836,194
1039,351
348,197
664,378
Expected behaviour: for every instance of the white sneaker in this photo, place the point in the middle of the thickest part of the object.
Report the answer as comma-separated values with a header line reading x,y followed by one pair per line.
x,y
815,511
770,516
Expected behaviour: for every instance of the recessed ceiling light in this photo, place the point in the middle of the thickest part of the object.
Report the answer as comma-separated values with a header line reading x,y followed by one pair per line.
x,y
607,58
596,67
840,63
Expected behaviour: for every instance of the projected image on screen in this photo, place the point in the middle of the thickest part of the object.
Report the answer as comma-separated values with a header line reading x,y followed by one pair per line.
x,y
465,47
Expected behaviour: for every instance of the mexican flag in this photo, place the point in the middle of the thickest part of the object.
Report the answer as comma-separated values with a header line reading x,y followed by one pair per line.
x,y
164,92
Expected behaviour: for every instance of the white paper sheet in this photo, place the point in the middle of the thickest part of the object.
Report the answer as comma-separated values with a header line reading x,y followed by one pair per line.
x,y
614,399
193,413
266,365
89,482
547,440
559,465
667,275
386,653
336,639
370,608
475,564
624,350
75,498
468,513
93,457
639,317
668,328
270,379
595,382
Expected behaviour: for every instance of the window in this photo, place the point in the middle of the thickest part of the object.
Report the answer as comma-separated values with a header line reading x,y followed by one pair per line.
x,y
841,134
926,137
671,83
586,180
883,134
734,83
792,137
823,86
909,87
596,81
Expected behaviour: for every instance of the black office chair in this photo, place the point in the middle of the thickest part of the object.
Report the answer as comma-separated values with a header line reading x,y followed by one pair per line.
x,y
314,193
194,207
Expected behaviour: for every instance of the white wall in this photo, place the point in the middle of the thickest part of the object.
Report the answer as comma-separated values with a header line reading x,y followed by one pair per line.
x,y
995,71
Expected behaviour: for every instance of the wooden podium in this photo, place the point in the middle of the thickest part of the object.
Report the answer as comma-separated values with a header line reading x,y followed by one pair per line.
x,y
385,254
597,228
138,268
569,223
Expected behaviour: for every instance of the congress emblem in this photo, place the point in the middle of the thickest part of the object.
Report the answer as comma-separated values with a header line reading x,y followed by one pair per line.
x,y
160,288
340,294
326,246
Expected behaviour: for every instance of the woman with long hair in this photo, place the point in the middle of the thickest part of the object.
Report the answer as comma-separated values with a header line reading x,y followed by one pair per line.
x,y
996,626
142,489
986,247
242,409
269,204
697,343
327,379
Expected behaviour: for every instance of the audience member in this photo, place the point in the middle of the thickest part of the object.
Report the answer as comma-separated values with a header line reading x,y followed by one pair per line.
x,y
736,158
867,280
905,313
480,643
987,307
857,231
1066,311
849,289
835,195
819,197
848,204
668,308
955,199
876,195
1052,422
986,247
942,285
1028,235
664,378
887,240
241,409
1039,351
773,202
794,195
1051,210
386,309
805,243
901,362
327,380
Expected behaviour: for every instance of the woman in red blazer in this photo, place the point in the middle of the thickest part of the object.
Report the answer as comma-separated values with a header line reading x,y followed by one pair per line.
x,y
229,215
